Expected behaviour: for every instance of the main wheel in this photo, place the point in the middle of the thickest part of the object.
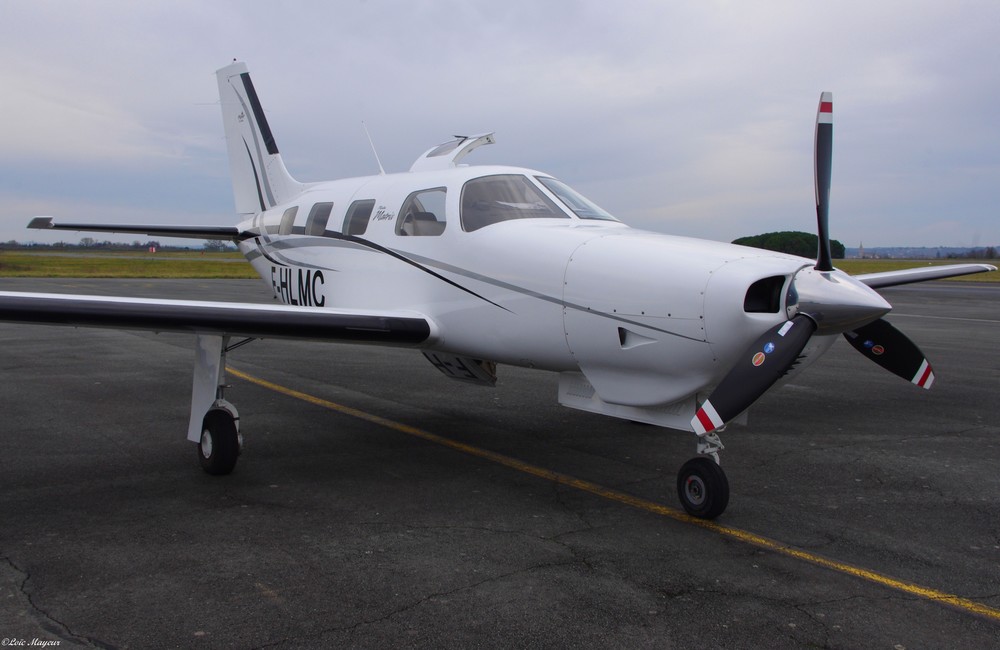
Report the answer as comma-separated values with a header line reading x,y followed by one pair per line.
x,y
220,443
703,488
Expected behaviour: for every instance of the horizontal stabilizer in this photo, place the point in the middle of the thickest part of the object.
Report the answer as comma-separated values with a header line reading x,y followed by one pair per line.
x,y
921,274
187,232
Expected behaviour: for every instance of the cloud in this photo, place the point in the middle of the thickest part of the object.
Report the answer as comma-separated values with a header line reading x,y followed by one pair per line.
x,y
691,118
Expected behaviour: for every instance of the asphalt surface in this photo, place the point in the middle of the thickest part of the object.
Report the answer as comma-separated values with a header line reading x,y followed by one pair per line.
x,y
336,531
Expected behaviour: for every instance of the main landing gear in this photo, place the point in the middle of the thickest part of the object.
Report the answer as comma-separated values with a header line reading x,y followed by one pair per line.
x,y
214,422
702,486
220,442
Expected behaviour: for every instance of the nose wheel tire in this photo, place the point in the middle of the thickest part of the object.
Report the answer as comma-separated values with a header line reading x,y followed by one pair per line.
x,y
703,488
220,444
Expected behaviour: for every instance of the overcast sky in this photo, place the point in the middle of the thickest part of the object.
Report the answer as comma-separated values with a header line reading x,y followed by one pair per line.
x,y
692,118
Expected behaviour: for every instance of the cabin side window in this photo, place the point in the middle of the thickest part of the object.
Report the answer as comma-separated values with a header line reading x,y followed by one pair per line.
x,y
422,213
318,216
356,221
491,199
288,221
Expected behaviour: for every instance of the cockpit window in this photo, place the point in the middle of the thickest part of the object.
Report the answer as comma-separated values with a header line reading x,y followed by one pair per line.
x,y
579,204
491,199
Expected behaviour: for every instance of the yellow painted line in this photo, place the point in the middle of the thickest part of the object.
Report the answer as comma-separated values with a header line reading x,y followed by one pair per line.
x,y
637,502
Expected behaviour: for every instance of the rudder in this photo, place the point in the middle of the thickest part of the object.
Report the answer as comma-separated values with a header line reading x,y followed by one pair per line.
x,y
260,179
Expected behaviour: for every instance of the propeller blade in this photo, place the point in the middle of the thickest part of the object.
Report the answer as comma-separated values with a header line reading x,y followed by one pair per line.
x,y
893,350
823,163
765,362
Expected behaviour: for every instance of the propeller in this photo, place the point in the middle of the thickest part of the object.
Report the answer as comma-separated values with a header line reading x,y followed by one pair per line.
x,y
829,302
891,349
766,361
822,170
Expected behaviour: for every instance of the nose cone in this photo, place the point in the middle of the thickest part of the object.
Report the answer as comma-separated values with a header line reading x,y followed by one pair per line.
x,y
836,301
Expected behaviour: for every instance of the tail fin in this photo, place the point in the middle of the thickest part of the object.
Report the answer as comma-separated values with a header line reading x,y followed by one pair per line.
x,y
260,180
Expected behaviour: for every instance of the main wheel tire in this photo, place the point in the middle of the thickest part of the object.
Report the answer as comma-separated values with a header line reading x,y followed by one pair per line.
x,y
220,443
703,488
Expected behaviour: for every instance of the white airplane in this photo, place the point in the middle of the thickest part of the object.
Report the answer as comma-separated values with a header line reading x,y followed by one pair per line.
x,y
487,265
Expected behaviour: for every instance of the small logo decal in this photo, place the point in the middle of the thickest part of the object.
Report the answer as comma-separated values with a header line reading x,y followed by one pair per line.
x,y
768,347
758,358
878,350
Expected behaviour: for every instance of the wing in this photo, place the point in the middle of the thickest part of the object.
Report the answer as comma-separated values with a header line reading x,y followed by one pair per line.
x,y
212,323
189,232
400,328
921,274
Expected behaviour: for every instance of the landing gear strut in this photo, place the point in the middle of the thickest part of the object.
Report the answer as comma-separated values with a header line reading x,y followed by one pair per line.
x,y
702,486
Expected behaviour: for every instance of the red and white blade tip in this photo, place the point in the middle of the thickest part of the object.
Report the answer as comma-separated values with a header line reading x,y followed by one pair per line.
x,y
706,419
825,113
925,376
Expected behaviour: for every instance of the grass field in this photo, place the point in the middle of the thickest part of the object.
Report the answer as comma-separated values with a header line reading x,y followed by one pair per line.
x,y
109,264
195,264
857,267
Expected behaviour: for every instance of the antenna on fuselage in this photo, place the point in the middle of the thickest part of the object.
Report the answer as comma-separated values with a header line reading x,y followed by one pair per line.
x,y
381,170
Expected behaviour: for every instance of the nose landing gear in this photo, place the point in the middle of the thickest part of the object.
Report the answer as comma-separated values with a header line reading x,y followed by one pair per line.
x,y
702,486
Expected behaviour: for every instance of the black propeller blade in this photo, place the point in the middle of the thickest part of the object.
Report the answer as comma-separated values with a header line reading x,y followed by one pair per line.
x,y
765,362
823,164
891,349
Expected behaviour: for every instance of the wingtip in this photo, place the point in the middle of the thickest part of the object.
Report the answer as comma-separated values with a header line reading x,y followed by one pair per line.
x,y
41,223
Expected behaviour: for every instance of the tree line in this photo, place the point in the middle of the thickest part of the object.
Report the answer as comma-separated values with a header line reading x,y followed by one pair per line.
x,y
89,243
793,242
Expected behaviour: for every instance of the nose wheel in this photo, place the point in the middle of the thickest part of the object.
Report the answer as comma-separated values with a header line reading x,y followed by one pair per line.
x,y
703,488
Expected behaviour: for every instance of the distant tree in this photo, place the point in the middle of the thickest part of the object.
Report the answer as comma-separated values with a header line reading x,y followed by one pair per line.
x,y
87,242
803,244
215,246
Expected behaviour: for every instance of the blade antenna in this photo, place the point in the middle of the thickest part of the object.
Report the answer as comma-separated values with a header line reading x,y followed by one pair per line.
x,y
823,153
381,170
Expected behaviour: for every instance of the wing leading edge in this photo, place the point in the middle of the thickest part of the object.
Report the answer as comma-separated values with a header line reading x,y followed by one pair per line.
x,y
230,233
397,328
921,274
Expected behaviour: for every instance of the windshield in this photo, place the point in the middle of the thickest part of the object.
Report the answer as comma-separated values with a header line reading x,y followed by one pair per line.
x,y
579,204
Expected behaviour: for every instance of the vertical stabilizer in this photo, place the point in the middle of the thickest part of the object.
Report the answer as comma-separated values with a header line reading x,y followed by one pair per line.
x,y
260,180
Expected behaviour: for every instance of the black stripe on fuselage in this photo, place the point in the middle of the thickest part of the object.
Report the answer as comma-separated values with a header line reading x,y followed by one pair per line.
x,y
403,258
331,234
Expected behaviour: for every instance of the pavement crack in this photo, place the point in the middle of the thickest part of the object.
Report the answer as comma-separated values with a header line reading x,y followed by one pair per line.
x,y
45,619
415,604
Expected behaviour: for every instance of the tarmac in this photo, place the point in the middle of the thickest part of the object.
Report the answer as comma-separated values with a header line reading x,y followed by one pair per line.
x,y
379,504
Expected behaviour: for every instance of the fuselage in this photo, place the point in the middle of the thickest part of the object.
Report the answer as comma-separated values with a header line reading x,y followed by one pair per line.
x,y
513,267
